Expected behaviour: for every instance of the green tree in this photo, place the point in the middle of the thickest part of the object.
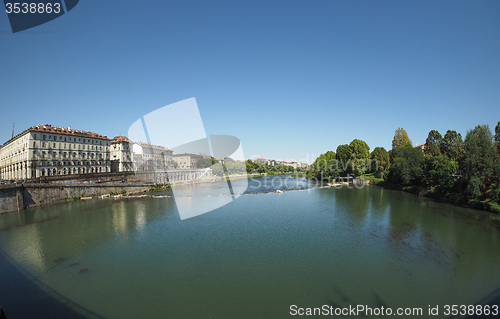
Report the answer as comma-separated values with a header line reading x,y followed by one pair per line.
x,y
205,162
478,161
453,146
400,138
408,166
496,192
380,160
250,166
433,143
360,154
343,156
324,167
217,169
440,172
497,137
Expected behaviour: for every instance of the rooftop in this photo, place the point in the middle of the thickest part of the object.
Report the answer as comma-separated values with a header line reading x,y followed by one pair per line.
x,y
157,147
118,139
63,130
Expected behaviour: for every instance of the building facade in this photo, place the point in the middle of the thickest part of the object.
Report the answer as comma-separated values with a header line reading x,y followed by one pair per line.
x,y
121,154
148,157
186,160
46,150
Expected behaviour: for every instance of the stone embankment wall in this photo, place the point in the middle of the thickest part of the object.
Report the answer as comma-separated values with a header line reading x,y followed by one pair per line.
x,y
16,197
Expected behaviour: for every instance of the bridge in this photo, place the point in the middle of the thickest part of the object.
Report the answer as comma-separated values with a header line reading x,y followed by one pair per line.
x,y
177,176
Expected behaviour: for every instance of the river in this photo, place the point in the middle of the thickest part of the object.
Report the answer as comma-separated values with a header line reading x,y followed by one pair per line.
x,y
252,258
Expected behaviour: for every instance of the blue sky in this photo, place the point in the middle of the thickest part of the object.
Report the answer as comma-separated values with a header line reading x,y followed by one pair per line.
x,y
291,79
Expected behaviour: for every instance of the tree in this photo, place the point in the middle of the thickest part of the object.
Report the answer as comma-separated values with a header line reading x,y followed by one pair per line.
x,y
217,169
400,138
359,149
344,158
205,162
433,143
324,167
360,154
440,172
496,194
380,160
497,138
453,146
479,160
407,167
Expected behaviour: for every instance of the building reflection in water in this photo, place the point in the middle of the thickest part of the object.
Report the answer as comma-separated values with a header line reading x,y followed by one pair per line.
x,y
42,238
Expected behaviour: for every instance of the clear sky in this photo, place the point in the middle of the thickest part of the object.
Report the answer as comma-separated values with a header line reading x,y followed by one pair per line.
x,y
290,78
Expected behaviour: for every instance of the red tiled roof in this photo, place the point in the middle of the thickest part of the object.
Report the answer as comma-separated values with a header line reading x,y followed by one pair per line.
x,y
67,131
118,139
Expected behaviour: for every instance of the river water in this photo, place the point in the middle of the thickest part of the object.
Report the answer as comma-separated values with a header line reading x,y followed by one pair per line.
x,y
252,258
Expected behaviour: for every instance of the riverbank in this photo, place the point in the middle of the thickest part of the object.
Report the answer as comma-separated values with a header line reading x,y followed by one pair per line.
x,y
16,197
21,196
451,198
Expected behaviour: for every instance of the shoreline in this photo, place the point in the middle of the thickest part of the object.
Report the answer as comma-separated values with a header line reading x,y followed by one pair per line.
x,y
490,213
22,196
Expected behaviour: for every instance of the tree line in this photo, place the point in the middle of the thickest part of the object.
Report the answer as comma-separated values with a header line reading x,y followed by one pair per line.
x,y
349,159
262,168
465,171
231,167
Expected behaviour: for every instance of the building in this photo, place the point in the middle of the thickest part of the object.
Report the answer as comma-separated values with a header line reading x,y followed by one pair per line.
x,y
46,150
148,157
129,156
420,147
187,161
121,157
184,161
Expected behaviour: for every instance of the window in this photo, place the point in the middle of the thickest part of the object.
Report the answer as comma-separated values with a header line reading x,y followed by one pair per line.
x,y
44,137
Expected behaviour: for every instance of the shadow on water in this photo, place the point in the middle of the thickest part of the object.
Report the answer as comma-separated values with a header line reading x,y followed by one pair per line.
x,y
25,297
83,225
